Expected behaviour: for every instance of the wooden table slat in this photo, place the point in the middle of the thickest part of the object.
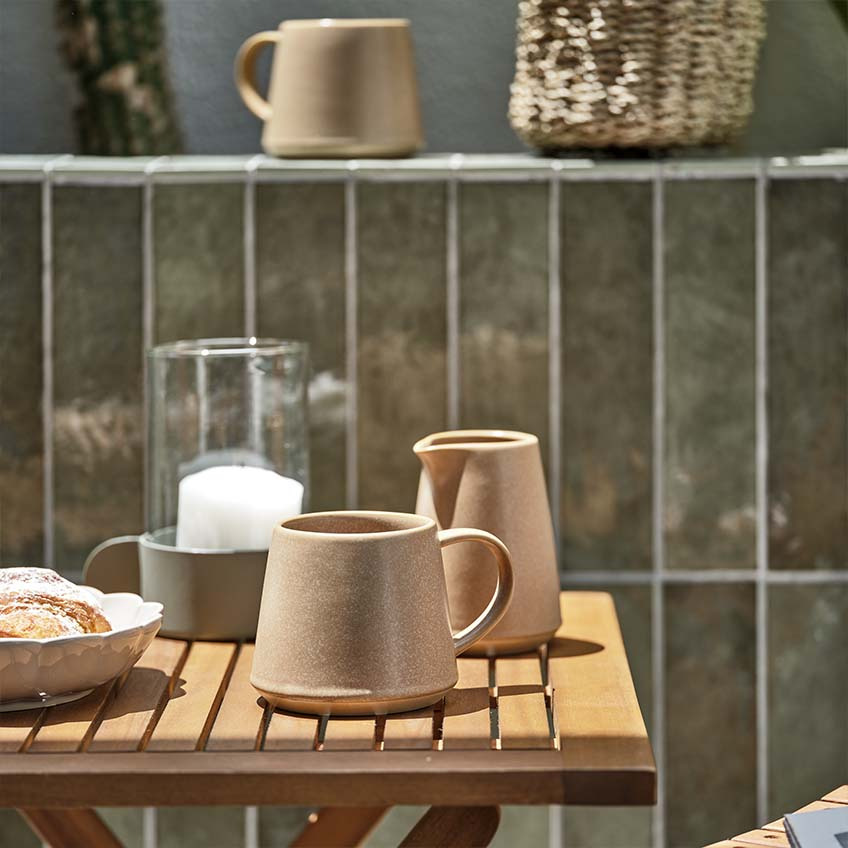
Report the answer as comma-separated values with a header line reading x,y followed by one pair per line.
x,y
68,727
290,732
522,712
196,696
763,837
127,721
410,731
600,725
238,725
466,723
838,796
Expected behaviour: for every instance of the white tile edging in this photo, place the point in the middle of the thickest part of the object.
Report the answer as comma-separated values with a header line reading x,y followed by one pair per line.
x,y
351,342
452,272
47,353
554,353
249,235
658,472
761,477
148,310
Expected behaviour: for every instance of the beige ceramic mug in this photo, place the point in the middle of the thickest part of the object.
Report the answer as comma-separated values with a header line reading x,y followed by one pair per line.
x,y
339,88
354,617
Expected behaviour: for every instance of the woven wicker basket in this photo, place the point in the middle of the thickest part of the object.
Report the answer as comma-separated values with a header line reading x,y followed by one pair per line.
x,y
634,73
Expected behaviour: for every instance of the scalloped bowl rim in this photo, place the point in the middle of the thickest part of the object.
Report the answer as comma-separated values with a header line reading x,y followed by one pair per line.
x,y
154,608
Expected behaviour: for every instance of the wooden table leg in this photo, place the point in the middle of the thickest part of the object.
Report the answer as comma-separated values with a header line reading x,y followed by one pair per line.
x,y
341,827
71,828
454,827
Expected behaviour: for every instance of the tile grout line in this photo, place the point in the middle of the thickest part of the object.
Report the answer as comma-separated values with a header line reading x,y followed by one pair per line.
x,y
47,356
148,311
554,355
453,294
149,837
718,575
351,342
761,413
249,247
251,827
658,470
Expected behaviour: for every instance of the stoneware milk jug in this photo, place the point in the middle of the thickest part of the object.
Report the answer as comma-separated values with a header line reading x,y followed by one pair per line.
x,y
354,616
340,87
494,480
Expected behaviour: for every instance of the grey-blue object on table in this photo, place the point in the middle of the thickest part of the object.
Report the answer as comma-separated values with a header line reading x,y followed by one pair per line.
x,y
818,829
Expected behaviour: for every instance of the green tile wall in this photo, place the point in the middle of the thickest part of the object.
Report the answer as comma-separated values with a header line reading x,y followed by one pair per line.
x,y
21,444
401,325
607,376
301,295
503,304
199,261
97,357
808,374
709,704
808,690
607,355
709,516
212,827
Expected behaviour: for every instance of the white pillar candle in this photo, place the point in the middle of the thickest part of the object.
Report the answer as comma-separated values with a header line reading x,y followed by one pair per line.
x,y
234,507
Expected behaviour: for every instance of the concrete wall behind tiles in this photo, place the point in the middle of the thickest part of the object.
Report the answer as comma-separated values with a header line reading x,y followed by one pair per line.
x,y
465,62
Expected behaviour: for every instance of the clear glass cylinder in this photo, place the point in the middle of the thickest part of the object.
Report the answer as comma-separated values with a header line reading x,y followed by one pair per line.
x,y
227,441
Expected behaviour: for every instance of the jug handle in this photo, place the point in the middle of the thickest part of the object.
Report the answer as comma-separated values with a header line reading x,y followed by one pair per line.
x,y
245,72
503,590
113,566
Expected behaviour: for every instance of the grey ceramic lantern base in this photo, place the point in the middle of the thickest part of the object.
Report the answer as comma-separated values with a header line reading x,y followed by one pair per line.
x,y
205,594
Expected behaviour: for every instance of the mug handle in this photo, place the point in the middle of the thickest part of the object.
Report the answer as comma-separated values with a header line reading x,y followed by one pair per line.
x,y
113,566
245,72
503,590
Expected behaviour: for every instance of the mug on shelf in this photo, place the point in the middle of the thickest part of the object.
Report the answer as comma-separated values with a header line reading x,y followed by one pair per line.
x,y
339,88
354,617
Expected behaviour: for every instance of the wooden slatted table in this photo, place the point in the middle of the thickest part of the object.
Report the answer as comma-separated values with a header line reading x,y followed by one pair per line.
x,y
185,726
774,833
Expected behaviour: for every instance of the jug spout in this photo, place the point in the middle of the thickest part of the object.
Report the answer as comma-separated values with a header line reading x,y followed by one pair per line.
x,y
443,465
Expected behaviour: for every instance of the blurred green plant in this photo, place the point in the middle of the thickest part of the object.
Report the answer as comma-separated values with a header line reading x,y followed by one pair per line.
x,y
115,48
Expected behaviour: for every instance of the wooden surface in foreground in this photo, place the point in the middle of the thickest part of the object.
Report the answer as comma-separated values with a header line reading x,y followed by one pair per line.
x,y
184,726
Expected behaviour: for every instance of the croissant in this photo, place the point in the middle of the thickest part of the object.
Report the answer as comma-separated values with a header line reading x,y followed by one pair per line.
x,y
36,603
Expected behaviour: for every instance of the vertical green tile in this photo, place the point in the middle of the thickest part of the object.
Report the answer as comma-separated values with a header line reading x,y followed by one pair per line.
x,y
199,261
200,827
607,375
301,295
97,368
709,513
395,826
280,825
15,832
613,827
710,775
808,691
808,373
401,357
522,826
127,823
503,305
21,472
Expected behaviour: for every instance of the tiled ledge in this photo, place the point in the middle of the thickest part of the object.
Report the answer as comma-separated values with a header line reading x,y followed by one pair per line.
x,y
523,167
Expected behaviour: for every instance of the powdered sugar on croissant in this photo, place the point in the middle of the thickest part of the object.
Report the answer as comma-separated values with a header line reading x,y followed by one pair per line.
x,y
37,603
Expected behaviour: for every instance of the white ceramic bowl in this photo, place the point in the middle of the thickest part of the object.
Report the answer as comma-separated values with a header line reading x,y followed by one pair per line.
x,y
45,672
